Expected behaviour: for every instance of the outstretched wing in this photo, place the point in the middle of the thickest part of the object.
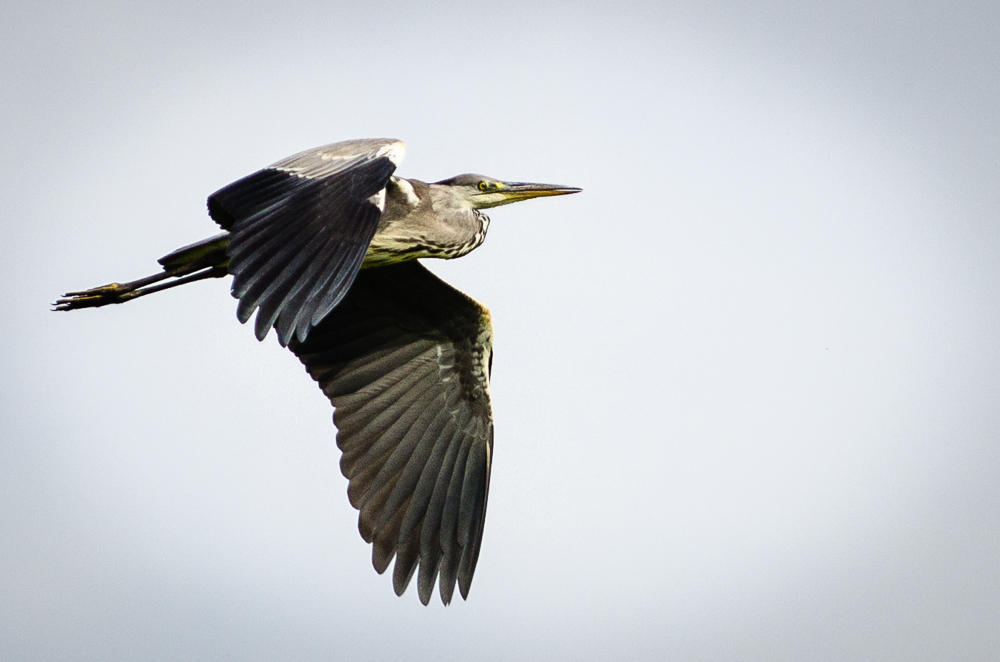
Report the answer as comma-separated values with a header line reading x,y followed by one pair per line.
x,y
405,360
300,229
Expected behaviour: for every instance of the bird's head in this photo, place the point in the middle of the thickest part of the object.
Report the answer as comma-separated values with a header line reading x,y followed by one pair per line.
x,y
482,192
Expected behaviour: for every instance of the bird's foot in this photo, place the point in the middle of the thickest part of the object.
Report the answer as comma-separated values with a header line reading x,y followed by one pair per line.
x,y
97,296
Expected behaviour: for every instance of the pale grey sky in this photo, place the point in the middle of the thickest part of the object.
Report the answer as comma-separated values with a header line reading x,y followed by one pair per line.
x,y
747,411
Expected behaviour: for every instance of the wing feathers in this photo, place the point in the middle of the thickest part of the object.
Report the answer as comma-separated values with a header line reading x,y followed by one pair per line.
x,y
384,408
430,535
406,562
392,431
475,475
430,564
401,360
399,457
426,469
450,514
373,367
413,465
300,229
451,554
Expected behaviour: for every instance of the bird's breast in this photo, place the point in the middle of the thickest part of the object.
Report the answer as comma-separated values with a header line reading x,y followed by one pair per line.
x,y
428,237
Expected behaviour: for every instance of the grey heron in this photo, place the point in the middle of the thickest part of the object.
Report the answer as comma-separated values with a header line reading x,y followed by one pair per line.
x,y
323,245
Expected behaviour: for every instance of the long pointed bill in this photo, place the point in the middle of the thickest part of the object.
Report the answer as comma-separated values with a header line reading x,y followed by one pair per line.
x,y
516,191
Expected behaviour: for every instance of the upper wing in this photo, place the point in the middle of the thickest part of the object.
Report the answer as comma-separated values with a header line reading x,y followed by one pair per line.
x,y
405,359
300,229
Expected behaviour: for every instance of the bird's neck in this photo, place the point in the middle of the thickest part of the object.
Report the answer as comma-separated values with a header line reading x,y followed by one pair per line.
x,y
425,220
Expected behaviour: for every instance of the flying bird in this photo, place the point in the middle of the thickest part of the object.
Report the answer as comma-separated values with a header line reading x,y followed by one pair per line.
x,y
324,246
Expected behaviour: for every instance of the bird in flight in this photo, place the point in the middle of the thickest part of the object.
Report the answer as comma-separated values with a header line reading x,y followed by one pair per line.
x,y
323,245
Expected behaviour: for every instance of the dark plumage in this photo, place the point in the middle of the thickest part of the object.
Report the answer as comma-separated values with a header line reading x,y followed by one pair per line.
x,y
404,359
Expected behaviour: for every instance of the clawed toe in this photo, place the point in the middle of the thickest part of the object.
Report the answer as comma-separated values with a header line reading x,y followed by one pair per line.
x,y
96,296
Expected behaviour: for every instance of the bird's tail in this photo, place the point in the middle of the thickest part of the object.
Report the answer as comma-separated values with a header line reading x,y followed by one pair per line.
x,y
200,260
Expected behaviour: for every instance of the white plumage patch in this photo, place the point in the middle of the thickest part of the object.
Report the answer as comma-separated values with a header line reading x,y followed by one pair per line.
x,y
407,189
393,151
378,200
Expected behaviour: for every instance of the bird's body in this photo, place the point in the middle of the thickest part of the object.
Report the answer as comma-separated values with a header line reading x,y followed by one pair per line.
x,y
323,246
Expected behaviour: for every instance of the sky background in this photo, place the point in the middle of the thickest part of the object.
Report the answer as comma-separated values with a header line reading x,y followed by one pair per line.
x,y
746,385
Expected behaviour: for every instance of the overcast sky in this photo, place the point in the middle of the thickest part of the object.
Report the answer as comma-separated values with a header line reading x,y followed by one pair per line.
x,y
746,385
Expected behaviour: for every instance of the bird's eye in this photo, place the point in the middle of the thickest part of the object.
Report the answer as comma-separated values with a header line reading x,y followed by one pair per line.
x,y
484,186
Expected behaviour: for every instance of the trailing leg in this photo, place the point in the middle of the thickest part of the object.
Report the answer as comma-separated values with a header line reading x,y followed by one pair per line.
x,y
201,260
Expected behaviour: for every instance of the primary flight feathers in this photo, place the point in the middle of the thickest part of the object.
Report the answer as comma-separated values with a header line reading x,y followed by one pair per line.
x,y
288,261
